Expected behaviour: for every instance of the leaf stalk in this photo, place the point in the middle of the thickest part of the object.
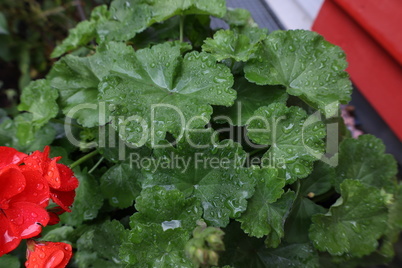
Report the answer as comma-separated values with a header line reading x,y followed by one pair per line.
x,y
84,158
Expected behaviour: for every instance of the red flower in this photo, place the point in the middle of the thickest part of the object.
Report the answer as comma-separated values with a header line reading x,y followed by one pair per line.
x,y
60,178
24,194
45,254
26,184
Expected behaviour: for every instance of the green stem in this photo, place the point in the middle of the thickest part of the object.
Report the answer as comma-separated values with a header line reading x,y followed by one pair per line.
x,y
83,159
181,28
96,165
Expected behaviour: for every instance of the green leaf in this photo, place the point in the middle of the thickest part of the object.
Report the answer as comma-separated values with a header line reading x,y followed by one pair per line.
x,y
319,181
150,246
81,35
244,251
7,132
160,229
279,212
212,173
127,18
292,255
299,220
99,245
39,99
77,81
22,135
250,97
87,202
238,17
295,140
307,65
83,32
265,214
115,150
394,224
354,223
121,184
88,259
166,92
9,261
164,9
77,85
168,208
363,159
60,234
228,44
108,238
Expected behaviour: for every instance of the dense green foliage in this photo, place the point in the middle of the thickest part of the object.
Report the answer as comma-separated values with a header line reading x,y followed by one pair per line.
x,y
206,148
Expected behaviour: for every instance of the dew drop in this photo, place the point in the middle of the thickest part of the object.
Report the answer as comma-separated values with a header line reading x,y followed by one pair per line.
x,y
166,225
115,200
292,48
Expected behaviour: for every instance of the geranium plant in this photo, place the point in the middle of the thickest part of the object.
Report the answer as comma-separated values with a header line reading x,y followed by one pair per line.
x,y
199,147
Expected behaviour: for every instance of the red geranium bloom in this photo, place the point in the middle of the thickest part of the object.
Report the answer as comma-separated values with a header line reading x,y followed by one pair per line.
x,y
59,177
10,156
45,254
24,194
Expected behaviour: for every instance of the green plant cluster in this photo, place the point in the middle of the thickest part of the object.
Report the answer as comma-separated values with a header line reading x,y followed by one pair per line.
x,y
277,91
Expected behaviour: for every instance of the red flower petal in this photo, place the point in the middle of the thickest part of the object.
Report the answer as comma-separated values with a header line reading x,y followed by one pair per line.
x,y
68,181
35,161
8,238
12,183
47,166
48,254
27,218
10,156
53,219
36,189
52,174
54,215
63,199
